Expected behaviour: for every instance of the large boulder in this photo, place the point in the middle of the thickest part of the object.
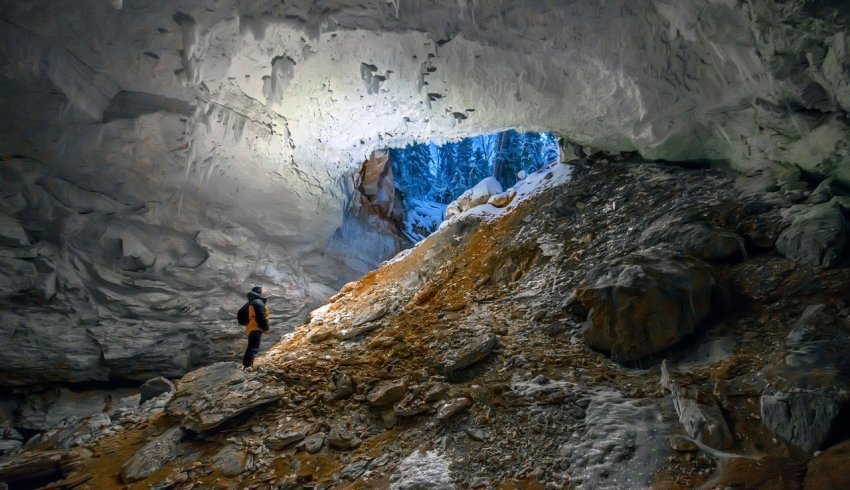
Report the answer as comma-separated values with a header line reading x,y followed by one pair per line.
x,y
644,303
814,235
212,395
806,397
804,417
152,456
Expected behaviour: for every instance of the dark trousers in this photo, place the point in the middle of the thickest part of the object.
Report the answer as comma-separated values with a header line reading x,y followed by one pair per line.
x,y
253,348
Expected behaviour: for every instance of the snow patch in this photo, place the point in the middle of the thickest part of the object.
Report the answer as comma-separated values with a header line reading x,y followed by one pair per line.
x,y
423,470
423,217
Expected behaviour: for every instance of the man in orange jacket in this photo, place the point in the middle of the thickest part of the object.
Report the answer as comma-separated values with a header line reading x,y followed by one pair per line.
x,y
258,324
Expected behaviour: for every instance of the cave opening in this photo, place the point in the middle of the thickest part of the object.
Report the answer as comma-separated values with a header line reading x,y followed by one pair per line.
x,y
428,177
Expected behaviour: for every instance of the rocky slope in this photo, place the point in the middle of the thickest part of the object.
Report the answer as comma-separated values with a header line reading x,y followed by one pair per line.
x,y
625,325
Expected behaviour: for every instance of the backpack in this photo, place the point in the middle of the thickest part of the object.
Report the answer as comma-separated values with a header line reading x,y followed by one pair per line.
x,y
244,315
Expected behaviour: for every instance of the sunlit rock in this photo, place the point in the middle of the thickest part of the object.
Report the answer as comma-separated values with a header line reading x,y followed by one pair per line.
x,y
212,395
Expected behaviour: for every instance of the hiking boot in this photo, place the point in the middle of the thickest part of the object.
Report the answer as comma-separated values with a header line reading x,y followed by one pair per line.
x,y
248,369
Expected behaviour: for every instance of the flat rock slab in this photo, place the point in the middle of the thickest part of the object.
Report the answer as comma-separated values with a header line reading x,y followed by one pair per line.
x,y
284,440
212,395
472,351
453,407
152,456
24,470
375,313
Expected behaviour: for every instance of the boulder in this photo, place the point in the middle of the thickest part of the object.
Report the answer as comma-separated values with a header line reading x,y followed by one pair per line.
x,y
701,240
386,393
152,456
453,407
644,303
155,387
471,351
824,192
344,386
682,444
212,395
829,470
814,234
355,469
342,437
231,460
803,417
805,400
376,312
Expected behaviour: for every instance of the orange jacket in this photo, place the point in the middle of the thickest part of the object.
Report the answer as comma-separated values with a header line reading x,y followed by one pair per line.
x,y
252,322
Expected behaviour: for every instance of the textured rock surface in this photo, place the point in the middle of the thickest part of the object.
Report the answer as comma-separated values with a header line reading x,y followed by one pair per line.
x,y
231,460
809,387
153,455
698,239
815,234
210,396
645,302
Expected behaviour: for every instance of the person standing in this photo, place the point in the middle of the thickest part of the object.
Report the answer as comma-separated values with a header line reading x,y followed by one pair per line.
x,y
257,314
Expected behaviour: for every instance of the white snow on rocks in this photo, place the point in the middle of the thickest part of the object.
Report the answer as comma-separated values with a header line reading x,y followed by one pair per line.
x,y
423,471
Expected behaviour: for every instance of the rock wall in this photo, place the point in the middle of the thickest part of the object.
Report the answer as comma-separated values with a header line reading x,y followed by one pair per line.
x,y
159,156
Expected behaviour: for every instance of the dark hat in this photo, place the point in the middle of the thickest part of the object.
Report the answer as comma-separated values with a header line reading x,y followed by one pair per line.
x,y
257,289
